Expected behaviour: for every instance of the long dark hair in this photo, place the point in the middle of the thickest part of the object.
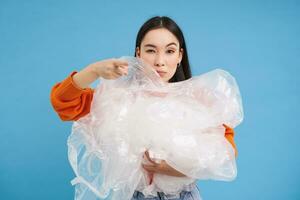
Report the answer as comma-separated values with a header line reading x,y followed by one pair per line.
x,y
183,71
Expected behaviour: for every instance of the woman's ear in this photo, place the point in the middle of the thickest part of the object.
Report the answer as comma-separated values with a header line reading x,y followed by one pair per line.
x,y
181,52
137,52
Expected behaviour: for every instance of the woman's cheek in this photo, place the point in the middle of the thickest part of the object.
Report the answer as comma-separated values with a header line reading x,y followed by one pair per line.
x,y
172,61
148,59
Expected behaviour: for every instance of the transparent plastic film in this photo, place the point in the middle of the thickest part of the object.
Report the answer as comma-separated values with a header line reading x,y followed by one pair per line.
x,y
181,123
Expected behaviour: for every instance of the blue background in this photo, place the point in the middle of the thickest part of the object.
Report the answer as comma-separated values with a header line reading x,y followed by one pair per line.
x,y
42,42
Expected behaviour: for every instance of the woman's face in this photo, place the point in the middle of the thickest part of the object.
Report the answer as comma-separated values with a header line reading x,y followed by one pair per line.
x,y
160,49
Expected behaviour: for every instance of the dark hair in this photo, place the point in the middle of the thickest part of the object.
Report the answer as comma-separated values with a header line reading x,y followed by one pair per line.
x,y
183,71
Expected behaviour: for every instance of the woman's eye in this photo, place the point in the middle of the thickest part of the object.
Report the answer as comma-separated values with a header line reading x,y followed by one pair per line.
x,y
170,51
150,51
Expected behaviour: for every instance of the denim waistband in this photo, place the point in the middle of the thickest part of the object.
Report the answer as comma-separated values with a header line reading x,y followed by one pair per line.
x,y
161,195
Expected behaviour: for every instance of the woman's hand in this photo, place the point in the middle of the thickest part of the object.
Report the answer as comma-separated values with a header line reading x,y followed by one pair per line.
x,y
110,68
162,168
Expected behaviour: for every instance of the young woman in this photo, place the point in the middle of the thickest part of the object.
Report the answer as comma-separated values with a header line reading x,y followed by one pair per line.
x,y
160,43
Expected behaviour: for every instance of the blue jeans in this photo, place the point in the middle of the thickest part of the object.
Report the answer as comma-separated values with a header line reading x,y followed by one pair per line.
x,y
184,195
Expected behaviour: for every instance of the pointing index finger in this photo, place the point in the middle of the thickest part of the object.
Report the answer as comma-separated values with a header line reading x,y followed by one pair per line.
x,y
121,62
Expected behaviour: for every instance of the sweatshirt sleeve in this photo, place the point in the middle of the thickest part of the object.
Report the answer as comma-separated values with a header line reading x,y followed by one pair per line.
x,y
69,100
229,135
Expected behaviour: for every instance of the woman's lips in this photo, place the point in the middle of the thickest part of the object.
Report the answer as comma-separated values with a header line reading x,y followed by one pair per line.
x,y
161,73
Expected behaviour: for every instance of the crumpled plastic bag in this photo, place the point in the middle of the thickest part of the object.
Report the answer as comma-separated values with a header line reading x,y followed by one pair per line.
x,y
180,123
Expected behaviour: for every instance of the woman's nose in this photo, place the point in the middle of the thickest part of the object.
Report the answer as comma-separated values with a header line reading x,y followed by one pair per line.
x,y
159,61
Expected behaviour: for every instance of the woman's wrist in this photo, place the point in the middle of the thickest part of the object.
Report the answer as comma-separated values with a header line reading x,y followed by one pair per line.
x,y
85,77
94,70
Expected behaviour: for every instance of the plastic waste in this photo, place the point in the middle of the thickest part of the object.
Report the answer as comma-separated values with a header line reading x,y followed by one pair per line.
x,y
180,123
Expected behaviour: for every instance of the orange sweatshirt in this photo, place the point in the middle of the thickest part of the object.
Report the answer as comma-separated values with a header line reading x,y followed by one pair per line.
x,y
72,102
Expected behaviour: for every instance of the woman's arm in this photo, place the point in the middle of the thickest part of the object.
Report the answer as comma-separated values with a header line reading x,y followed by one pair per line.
x,y
229,135
72,97
70,101
164,168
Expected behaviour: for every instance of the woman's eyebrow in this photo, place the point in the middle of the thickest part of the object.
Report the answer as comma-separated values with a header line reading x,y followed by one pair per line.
x,y
152,45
